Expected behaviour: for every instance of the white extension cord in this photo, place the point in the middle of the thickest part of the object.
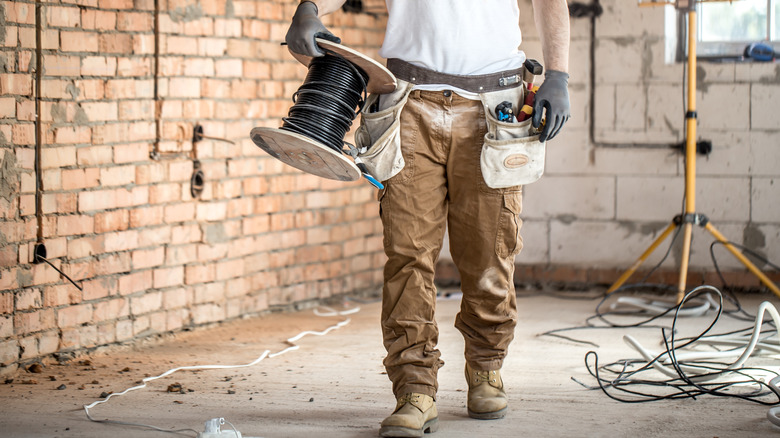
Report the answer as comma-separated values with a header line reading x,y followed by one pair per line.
x,y
773,415
743,348
660,307
743,352
213,426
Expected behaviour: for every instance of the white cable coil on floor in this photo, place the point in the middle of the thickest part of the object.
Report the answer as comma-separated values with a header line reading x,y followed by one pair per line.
x,y
746,348
660,307
697,366
773,415
744,352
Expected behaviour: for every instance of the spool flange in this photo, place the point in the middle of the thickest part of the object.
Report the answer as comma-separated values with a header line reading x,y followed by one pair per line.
x,y
307,154
380,80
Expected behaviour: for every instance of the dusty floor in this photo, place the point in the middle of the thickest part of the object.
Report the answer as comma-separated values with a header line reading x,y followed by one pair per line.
x,y
334,385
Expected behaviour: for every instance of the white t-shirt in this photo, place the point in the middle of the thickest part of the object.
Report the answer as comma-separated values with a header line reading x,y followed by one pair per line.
x,y
463,37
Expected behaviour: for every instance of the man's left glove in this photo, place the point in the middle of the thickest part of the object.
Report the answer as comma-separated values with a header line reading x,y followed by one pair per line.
x,y
553,96
305,27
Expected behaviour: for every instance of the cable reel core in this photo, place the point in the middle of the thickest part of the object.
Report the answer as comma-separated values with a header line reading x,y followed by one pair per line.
x,y
311,137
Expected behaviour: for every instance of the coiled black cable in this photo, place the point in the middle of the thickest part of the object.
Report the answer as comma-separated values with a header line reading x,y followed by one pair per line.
x,y
324,106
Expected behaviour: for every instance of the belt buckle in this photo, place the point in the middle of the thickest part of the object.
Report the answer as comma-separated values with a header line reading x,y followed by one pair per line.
x,y
514,79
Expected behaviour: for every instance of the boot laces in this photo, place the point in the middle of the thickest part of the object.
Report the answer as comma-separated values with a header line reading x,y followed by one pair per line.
x,y
413,399
491,377
410,398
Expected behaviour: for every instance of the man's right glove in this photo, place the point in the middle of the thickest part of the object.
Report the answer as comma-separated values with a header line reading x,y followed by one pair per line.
x,y
305,27
553,96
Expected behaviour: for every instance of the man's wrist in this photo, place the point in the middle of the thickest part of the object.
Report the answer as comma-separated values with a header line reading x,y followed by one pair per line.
x,y
557,74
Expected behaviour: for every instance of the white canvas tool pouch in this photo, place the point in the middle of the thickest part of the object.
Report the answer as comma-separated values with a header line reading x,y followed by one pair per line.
x,y
512,154
378,138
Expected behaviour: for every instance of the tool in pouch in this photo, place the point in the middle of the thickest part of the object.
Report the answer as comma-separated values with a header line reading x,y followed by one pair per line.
x,y
512,154
378,138
313,148
356,152
504,110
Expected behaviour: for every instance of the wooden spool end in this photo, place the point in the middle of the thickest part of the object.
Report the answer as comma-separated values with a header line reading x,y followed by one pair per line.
x,y
309,155
380,80
305,154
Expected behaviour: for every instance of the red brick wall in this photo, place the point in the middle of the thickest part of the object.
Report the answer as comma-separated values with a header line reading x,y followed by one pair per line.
x,y
118,217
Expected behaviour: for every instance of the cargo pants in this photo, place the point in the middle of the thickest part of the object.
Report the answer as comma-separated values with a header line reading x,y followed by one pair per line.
x,y
441,186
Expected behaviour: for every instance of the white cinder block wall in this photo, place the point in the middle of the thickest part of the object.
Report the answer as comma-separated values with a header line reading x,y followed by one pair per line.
x,y
601,203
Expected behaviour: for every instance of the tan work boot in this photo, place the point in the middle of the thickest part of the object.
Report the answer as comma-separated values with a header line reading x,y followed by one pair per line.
x,y
414,415
486,399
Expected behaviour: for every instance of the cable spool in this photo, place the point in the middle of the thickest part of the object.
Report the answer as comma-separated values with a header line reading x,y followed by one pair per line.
x,y
311,137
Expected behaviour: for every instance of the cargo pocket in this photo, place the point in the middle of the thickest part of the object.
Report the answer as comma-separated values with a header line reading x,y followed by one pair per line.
x,y
512,154
508,240
378,138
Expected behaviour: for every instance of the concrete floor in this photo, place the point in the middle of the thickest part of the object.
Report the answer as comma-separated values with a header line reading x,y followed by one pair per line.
x,y
335,386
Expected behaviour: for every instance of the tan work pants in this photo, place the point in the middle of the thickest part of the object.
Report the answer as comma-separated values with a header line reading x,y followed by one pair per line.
x,y
442,136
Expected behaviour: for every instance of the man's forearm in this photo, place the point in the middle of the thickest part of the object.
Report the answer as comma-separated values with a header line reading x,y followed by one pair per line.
x,y
552,23
325,7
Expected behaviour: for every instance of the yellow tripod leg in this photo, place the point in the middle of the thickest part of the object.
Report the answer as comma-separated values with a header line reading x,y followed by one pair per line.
x,y
684,260
741,257
619,282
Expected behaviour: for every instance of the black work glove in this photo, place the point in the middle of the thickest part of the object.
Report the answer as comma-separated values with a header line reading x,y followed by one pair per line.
x,y
553,96
305,27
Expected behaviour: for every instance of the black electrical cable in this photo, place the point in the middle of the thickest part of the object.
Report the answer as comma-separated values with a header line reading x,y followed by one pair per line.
x,y
731,296
324,106
744,249
624,383
746,331
663,259
44,259
601,316
589,325
682,386
737,312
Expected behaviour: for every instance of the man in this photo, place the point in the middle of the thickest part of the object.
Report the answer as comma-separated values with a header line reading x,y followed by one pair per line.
x,y
452,51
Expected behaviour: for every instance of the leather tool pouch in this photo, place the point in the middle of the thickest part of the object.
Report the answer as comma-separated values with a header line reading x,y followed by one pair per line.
x,y
512,154
378,138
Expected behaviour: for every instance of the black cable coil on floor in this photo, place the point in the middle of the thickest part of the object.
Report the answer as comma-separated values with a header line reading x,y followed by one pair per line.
x,y
324,106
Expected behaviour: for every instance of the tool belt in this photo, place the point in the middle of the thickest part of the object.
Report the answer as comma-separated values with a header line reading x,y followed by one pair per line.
x,y
511,153
474,83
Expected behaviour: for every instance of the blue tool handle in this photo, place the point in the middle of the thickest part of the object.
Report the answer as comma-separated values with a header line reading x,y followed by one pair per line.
x,y
373,181
368,176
